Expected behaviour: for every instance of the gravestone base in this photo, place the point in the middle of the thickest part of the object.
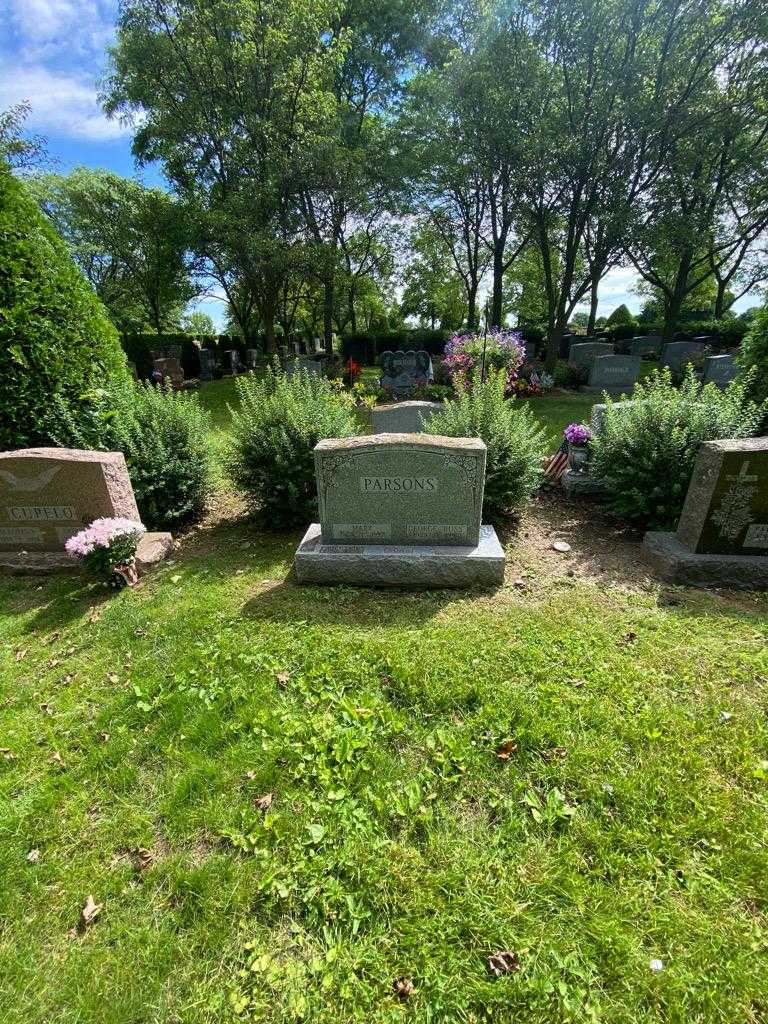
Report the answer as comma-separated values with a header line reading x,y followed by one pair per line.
x,y
417,567
576,485
674,563
152,548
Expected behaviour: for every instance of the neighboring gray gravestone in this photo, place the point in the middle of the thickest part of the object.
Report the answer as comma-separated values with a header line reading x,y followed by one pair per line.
x,y
169,369
403,417
720,370
529,349
232,361
584,352
207,364
49,494
722,536
677,354
647,347
401,489
251,358
400,510
309,365
614,374
404,371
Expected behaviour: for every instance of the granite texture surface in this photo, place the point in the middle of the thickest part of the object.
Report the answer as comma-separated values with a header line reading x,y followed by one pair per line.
x,y
48,494
400,489
675,563
410,567
402,417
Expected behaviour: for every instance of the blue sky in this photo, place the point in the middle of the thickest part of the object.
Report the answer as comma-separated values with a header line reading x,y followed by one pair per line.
x,y
53,54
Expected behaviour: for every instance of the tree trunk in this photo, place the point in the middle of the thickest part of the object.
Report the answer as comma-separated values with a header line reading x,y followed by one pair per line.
x,y
352,314
497,296
328,295
720,308
553,346
592,307
672,305
472,307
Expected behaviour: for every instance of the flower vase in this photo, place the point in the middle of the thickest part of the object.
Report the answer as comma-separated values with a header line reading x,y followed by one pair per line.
x,y
578,456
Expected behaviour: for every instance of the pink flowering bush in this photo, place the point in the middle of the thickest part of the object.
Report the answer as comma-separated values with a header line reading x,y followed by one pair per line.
x,y
108,548
504,350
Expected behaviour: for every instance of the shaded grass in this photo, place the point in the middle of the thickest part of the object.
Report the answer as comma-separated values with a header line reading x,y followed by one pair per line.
x,y
628,825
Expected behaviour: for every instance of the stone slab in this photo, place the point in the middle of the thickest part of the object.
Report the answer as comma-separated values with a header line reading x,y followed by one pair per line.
x,y
582,353
401,372
720,370
647,346
49,494
674,563
577,485
677,354
410,567
726,507
403,417
614,374
152,548
400,489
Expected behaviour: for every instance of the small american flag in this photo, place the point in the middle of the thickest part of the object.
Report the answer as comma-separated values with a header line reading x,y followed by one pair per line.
x,y
556,464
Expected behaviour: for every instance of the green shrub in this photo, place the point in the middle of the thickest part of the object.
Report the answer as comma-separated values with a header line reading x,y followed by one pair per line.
x,y
754,355
646,453
165,437
279,422
59,353
515,439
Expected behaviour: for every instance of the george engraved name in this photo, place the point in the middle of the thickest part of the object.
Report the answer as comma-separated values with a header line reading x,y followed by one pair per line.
x,y
397,484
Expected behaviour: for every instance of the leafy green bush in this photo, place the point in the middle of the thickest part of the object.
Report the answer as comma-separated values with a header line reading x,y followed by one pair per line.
x,y
59,353
515,439
165,437
621,316
645,453
279,422
754,355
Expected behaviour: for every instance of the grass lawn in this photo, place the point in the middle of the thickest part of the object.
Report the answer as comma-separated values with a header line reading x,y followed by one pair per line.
x,y
284,799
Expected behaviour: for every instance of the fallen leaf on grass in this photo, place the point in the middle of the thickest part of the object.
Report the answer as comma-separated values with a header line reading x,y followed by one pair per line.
x,y
506,750
263,803
282,678
57,758
143,859
103,736
504,962
7,754
33,857
629,638
46,708
20,655
250,776
554,753
113,678
403,988
90,912
175,579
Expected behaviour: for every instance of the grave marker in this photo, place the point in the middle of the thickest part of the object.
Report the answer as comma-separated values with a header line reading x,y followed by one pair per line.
x,y
403,371
583,353
647,347
677,354
722,536
614,374
720,370
403,417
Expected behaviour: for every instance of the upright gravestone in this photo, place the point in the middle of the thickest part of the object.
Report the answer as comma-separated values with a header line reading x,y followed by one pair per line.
x,y
647,347
583,353
722,536
168,369
207,364
49,494
530,351
232,362
400,510
403,417
615,375
251,358
677,354
720,370
577,484
404,371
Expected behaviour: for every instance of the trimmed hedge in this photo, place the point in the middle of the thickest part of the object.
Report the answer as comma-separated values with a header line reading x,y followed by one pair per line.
x,y
366,347
59,353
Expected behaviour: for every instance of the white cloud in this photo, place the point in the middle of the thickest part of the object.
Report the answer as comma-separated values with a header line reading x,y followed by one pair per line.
x,y
60,102
47,29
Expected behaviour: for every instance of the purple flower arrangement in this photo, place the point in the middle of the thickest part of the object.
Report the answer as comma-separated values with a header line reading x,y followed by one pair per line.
x,y
576,433
504,350
108,548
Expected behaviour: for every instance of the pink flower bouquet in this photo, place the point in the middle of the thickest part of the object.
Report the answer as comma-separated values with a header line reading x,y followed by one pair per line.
x,y
108,548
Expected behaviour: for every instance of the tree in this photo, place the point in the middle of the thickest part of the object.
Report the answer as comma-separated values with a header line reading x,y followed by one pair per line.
x,y
59,354
19,151
433,291
235,99
621,316
130,241
198,323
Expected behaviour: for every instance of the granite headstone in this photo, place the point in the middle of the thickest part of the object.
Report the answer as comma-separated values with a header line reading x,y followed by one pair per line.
x,y
720,370
49,494
614,374
584,352
722,535
647,347
677,354
404,371
168,369
403,417
207,364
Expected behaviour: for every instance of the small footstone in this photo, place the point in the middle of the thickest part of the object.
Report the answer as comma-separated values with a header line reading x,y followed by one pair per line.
x,y
561,546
